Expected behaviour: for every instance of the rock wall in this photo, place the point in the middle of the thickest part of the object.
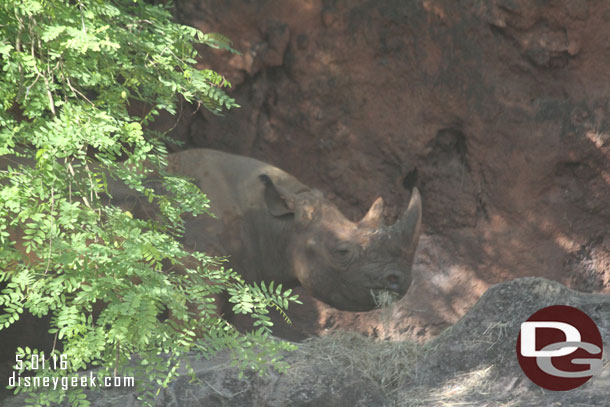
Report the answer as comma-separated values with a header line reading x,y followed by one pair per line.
x,y
496,109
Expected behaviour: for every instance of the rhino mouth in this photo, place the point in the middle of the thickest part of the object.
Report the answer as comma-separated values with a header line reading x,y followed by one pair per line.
x,y
383,297
361,299
374,298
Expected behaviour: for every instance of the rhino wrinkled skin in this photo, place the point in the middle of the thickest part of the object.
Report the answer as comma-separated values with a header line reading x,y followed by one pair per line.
x,y
274,228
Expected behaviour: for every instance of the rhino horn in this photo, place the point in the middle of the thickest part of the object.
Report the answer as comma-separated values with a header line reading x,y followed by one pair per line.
x,y
408,227
373,216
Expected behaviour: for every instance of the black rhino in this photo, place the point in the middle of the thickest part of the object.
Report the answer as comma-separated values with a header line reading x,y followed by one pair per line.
x,y
274,228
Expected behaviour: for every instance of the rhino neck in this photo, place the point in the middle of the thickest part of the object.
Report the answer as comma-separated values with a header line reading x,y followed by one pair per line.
x,y
265,254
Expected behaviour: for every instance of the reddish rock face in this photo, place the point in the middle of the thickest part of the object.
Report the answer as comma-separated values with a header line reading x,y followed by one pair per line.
x,y
497,110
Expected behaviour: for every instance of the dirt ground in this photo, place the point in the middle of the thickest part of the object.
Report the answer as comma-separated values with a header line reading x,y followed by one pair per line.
x,y
496,109
473,363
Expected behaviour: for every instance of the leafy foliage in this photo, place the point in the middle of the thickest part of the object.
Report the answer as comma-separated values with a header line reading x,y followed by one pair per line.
x,y
73,76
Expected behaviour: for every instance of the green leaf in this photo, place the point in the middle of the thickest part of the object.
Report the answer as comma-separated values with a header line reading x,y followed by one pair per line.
x,y
52,32
80,84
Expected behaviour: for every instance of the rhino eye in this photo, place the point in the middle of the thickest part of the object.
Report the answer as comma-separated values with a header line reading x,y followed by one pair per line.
x,y
343,253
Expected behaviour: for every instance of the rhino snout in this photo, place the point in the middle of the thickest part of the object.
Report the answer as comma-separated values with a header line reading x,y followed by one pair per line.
x,y
396,281
392,281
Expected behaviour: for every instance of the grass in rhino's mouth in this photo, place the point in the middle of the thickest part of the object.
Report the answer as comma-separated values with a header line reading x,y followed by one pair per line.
x,y
383,298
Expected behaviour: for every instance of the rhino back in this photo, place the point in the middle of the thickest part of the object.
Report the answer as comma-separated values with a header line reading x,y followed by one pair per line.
x,y
228,180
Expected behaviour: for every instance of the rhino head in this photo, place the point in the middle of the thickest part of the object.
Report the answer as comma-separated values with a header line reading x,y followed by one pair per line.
x,y
340,262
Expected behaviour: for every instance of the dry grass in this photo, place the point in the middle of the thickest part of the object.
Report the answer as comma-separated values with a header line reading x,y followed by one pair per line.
x,y
383,298
390,365
455,392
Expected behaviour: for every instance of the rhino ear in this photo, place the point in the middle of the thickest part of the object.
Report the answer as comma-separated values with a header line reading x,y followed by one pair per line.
x,y
373,216
278,201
